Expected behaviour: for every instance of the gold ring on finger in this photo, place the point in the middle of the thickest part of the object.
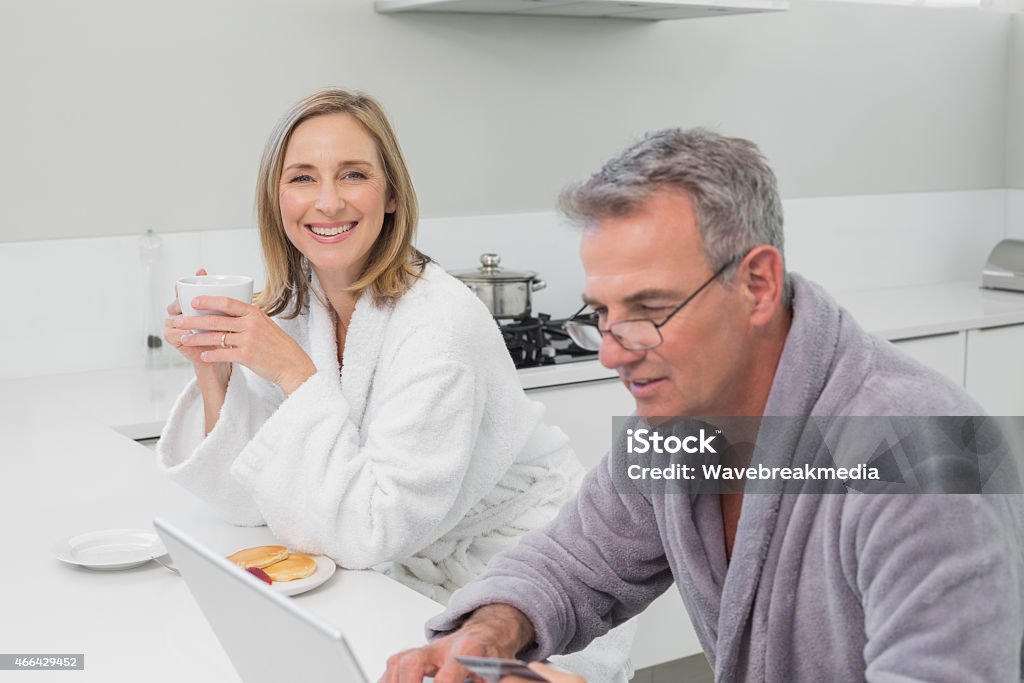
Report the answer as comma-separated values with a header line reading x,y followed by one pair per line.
x,y
223,340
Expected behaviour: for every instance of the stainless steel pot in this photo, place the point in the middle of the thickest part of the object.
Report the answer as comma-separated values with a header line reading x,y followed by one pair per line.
x,y
506,293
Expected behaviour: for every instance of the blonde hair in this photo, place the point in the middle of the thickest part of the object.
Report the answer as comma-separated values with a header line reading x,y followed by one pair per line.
x,y
393,263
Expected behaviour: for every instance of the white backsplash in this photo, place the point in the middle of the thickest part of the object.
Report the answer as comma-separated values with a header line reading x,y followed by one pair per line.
x,y
77,305
894,240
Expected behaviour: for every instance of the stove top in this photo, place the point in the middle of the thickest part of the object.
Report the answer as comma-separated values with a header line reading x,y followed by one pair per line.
x,y
533,342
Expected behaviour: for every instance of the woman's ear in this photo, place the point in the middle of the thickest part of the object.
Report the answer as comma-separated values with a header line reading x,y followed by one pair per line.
x,y
392,204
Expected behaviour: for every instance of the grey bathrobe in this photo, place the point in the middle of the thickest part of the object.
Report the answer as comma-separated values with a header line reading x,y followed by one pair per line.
x,y
820,587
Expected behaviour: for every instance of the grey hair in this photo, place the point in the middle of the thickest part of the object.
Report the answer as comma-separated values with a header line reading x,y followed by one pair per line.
x,y
733,190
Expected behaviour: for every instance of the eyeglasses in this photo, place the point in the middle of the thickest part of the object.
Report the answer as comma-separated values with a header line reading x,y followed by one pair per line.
x,y
638,334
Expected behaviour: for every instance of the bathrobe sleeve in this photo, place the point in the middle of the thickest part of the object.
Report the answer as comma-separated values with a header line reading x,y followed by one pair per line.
x,y
597,564
938,593
201,463
365,496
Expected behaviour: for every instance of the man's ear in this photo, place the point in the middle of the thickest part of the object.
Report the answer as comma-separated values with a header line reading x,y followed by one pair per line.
x,y
761,276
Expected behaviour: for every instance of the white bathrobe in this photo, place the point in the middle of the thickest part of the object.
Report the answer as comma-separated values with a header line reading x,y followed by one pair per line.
x,y
422,452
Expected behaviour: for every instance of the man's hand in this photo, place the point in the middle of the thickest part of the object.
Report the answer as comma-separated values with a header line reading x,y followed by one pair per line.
x,y
492,631
549,672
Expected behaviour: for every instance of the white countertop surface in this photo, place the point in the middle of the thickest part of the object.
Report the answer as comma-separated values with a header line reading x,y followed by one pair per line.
x,y
907,312
67,465
65,471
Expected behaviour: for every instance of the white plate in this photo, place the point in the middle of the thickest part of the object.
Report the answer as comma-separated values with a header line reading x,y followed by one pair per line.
x,y
324,570
110,549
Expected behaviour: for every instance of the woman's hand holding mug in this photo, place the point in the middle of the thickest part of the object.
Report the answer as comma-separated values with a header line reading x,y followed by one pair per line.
x,y
218,373
217,330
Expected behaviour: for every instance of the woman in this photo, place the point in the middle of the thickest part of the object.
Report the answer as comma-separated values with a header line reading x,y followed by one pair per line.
x,y
365,407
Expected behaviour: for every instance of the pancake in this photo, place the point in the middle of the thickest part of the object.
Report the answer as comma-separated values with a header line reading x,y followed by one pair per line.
x,y
259,556
296,566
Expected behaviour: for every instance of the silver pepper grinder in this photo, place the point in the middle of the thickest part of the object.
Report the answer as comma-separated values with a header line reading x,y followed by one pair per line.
x,y
149,254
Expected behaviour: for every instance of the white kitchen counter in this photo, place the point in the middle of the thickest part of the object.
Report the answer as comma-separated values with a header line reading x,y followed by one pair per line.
x,y
64,471
907,312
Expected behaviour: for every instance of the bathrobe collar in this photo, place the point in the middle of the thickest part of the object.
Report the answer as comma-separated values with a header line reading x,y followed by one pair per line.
x,y
804,370
362,346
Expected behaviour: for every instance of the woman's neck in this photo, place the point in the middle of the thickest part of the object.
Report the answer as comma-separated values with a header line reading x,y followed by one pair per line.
x,y
341,300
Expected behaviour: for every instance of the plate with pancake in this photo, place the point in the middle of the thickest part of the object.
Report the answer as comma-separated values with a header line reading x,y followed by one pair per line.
x,y
325,568
110,549
290,573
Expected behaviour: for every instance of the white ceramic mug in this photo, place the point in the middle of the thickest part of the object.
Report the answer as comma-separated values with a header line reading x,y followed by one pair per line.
x,y
234,286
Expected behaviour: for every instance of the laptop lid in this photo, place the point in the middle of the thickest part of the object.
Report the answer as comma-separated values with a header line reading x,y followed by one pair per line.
x,y
268,637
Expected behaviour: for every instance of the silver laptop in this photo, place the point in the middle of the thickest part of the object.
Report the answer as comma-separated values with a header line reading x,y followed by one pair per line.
x,y
267,636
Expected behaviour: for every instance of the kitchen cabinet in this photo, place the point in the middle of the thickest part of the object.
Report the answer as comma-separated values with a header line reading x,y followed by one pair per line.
x,y
995,369
584,410
972,335
943,352
987,362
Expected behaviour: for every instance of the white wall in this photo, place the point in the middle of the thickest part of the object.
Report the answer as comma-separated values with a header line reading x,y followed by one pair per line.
x,y
1015,130
1015,109
119,116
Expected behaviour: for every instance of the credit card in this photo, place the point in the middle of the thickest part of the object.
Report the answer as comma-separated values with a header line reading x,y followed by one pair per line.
x,y
493,669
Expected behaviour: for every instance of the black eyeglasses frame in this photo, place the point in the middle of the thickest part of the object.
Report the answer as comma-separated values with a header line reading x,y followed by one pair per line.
x,y
575,319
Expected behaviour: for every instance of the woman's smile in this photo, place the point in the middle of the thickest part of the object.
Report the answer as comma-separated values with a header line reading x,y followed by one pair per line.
x,y
331,233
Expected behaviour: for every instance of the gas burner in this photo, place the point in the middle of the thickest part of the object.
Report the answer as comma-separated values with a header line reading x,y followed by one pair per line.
x,y
524,339
540,341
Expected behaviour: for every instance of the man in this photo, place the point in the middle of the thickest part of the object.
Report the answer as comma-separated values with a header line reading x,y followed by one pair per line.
x,y
682,249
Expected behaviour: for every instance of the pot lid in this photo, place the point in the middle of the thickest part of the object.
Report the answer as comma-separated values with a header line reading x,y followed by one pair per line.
x,y
491,271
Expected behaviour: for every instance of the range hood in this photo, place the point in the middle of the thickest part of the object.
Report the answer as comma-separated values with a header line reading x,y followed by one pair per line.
x,y
650,10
